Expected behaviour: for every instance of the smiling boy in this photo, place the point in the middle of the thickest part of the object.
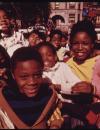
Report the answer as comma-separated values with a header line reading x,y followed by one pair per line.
x,y
28,104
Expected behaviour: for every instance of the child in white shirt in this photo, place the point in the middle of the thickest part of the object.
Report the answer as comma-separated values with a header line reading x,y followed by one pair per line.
x,y
58,72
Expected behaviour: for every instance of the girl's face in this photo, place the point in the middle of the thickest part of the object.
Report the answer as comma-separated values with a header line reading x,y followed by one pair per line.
x,y
34,39
49,58
81,46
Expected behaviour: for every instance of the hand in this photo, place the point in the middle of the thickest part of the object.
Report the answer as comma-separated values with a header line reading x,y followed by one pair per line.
x,y
83,87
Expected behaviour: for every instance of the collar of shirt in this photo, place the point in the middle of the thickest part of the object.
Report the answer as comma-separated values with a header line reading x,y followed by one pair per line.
x,y
57,65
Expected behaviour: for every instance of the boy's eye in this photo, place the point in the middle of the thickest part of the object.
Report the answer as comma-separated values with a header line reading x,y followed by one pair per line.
x,y
85,42
49,55
23,76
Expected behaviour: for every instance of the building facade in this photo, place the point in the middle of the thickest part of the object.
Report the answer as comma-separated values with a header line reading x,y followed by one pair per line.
x,y
71,12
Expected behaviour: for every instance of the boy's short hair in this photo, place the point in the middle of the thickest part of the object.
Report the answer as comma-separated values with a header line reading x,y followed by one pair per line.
x,y
83,26
24,54
40,34
56,31
47,44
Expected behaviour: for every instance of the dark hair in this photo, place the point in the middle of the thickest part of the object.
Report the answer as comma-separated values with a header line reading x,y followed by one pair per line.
x,y
47,44
24,54
6,11
53,32
6,57
83,26
65,35
40,34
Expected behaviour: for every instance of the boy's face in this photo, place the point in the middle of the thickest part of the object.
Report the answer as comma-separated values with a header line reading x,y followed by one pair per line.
x,y
56,40
4,21
28,75
81,46
49,58
34,39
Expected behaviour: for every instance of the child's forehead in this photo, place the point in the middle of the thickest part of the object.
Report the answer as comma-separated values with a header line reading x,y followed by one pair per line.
x,y
82,36
30,61
48,48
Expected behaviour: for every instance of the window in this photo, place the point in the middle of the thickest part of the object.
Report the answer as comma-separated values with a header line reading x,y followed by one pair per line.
x,y
71,18
72,5
57,5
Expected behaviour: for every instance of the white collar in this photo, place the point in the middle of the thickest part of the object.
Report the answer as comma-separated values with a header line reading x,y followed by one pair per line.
x,y
54,68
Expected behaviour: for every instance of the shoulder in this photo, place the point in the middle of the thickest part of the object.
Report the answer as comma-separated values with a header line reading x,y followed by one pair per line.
x,y
70,61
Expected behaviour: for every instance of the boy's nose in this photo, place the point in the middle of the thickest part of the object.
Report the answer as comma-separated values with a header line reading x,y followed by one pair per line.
x,y
32,81
80,46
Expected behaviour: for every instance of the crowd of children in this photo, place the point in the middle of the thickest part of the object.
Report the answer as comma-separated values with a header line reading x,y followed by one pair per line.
x,y
49,81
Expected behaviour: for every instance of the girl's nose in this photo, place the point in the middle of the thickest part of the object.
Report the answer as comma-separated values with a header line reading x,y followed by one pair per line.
x,y
80,46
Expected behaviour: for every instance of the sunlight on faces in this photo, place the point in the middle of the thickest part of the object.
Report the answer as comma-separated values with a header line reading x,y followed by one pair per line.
x,y
28,75
81,46
49,58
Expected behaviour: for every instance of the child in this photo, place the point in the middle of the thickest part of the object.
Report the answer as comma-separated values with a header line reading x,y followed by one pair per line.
x,y
35,37
28,104
58,72
10,39
58,41
82,41
55,38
